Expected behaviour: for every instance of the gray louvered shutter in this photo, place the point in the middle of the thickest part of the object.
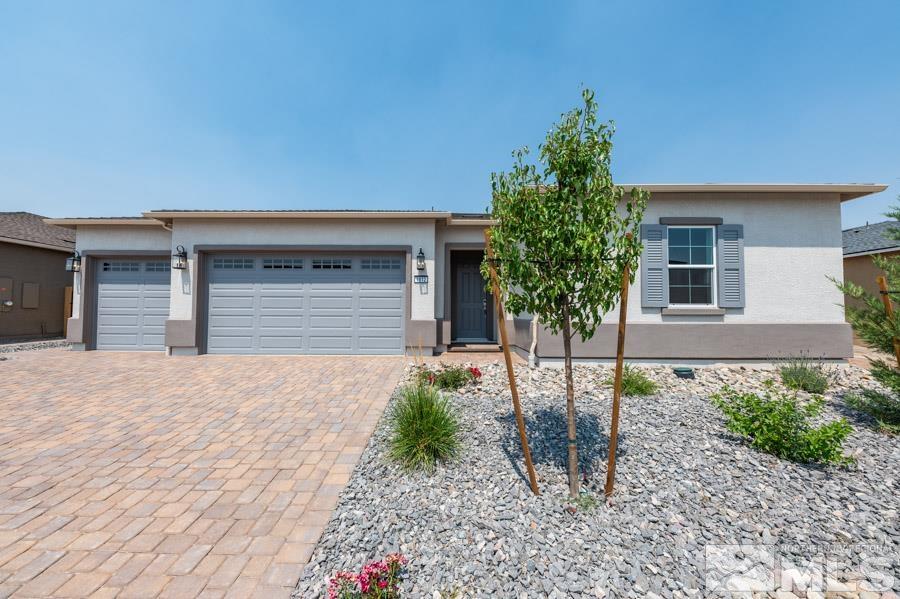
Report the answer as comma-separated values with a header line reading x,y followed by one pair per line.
x,y
655,266
731,265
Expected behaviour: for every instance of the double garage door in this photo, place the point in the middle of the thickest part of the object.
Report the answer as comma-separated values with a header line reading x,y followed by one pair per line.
x,y
305,303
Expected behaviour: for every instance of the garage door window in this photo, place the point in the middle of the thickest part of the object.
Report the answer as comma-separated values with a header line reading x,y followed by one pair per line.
x,y
233,263
158,267
332,264
121,266
380,264
282,263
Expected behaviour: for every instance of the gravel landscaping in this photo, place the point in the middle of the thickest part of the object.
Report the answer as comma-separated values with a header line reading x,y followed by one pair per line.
x,y
684,485
15,346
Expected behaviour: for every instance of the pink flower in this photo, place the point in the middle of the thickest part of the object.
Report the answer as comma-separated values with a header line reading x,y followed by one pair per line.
x,y
341,582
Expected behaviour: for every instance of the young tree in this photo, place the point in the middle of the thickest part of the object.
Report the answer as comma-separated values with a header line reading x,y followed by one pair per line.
x,y
562,241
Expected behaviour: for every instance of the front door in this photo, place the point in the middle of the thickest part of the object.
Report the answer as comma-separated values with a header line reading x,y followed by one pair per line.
x,y
473,307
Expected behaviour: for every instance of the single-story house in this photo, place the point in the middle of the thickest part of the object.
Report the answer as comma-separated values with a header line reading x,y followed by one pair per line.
x,y
32,276
729,272
860,244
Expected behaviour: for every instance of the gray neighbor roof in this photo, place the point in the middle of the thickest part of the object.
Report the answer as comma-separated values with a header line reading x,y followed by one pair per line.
x,y
27,228
870,238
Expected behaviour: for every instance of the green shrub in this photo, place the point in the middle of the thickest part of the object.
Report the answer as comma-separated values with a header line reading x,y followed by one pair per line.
x,y
447,377
884,408
805,374
779,424
634,382
887,375
425,428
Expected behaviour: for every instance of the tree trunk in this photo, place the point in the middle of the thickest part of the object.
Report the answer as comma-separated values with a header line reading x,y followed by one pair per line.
x,y
574,482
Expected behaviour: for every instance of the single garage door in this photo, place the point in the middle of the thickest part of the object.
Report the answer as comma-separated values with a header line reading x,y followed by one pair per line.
x,y
306,304
132,304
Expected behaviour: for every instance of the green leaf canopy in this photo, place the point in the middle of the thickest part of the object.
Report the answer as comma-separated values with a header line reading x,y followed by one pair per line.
x,y
565,231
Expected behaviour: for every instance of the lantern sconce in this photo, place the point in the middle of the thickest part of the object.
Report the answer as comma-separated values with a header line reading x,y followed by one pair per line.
x,y
73,262
420,260
179,258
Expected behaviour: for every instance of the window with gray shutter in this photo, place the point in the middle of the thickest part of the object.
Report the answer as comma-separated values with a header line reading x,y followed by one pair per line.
x,y
654,266
731,266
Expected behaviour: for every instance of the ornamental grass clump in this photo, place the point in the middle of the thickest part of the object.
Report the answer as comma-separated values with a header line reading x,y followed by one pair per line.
x,y
634,382
377,580
779,424
425,428
805,374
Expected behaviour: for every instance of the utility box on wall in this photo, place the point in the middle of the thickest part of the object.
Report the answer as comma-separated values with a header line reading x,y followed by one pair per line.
x,y
6,294
31,293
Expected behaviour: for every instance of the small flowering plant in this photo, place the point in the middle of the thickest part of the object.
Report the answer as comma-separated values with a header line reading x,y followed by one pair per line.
x,y
448,376
377,580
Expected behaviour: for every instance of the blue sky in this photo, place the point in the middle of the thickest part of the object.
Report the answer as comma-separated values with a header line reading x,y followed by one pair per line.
x,y
115,108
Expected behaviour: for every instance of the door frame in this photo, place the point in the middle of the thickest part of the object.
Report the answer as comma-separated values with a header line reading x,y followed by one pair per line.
x,y
88,286
455,255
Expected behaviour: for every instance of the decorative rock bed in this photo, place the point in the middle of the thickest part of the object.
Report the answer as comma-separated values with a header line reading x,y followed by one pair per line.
x,y
683,483
31,345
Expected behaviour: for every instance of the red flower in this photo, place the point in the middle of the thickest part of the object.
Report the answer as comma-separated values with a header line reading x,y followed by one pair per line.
x,y
475,372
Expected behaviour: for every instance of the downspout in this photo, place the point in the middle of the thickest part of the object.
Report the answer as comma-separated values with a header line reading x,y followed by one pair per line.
x,y
532,361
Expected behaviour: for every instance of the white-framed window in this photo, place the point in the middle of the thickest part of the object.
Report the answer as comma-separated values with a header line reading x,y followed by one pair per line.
x,y
692,265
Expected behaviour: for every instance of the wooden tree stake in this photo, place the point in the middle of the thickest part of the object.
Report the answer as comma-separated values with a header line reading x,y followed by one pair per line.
x,y
889,310
617,385
501,325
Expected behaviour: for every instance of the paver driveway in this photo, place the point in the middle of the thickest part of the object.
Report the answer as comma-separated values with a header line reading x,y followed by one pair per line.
x,y
137,475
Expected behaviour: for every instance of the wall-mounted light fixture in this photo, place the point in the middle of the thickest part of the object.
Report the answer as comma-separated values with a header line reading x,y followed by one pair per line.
x,y
179,258
73,262
420,260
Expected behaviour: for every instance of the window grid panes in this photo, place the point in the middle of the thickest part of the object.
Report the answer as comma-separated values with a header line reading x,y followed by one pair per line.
x,y
121,266
332,264
691,265
157,267
380,264
233,263
283,263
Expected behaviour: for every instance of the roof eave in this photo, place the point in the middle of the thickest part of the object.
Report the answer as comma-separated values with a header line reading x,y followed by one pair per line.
x,y
847,191
324,214
71,223
37,244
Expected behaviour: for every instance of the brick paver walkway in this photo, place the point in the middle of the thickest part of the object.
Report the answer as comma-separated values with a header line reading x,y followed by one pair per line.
x,y
140,475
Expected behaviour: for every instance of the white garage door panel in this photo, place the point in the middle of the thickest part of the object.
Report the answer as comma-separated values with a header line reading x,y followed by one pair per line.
x,y
338,307
132,304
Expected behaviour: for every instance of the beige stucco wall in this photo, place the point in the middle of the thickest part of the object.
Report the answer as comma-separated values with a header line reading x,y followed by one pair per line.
x,y
99,238
792,243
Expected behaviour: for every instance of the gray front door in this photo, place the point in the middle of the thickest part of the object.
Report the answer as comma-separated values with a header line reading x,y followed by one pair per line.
x,y
338,303
472,316
132,303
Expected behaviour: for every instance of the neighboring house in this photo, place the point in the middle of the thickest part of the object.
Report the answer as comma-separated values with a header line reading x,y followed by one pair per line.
x,y
860,245
32,275
729,272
